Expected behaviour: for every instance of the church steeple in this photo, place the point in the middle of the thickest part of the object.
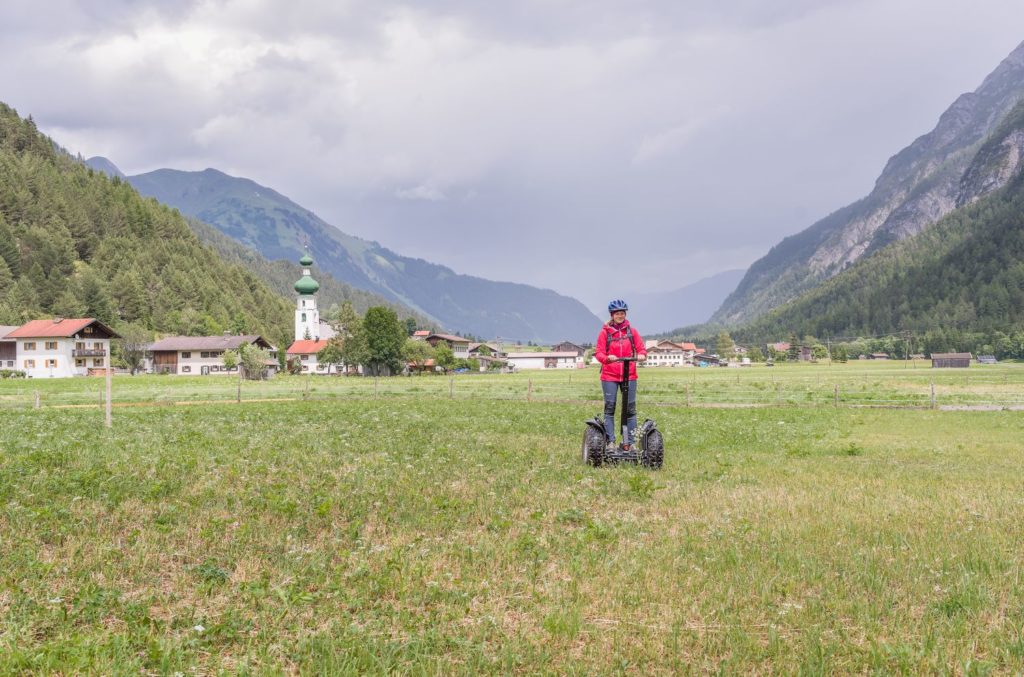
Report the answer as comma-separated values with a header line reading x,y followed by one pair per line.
x,y
307,317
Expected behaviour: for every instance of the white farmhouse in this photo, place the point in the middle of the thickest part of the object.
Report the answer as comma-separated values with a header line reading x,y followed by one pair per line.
x,y
566,359
306,353
669,354
203,355
60,348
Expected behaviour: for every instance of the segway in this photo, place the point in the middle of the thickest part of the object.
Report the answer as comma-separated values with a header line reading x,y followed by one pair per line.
x,y
648,449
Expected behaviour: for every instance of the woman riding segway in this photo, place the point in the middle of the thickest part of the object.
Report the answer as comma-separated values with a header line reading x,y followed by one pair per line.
x,y
619,345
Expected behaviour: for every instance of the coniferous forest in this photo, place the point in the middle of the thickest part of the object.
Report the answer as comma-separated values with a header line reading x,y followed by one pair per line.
x,y
74,243
958,285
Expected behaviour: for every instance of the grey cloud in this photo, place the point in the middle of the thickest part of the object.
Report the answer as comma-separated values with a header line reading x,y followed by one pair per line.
x,y
560,129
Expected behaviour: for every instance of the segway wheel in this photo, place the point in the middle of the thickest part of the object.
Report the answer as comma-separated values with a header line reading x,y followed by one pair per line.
x,y
653,454
593,446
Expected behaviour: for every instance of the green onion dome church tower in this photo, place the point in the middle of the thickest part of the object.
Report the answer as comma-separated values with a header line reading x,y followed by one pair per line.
x,y
307,317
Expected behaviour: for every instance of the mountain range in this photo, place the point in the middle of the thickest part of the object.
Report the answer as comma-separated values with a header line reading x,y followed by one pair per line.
x,y
963,274
278,228
934,175
690,305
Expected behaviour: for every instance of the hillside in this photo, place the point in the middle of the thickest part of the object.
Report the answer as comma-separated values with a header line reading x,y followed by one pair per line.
x,y
919,185
281,275
74,243
965,273
280,229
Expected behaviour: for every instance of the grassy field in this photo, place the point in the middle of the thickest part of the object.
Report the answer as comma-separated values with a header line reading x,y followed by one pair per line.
x,y
415,533
893,384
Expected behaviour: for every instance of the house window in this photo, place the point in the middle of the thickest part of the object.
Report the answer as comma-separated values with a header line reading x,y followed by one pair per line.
x,y
10,363
303,317
51,345
79,363
97,362
30,364
30,345
97,345
80,345
87,330
305,357
186,356
52,364
186,370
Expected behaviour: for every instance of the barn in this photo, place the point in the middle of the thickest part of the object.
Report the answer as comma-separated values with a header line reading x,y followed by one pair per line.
x,y
951,360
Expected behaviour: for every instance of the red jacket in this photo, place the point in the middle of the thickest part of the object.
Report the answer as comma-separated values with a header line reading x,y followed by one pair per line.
x,y
614,340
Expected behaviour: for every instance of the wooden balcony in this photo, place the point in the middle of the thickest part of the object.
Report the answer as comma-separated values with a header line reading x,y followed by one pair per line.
x,y
88,352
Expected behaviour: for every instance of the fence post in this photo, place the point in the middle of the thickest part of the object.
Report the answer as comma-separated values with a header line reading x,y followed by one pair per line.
x,y
37,399
238,396
529,390
778,394
451,387
375,384
687,394
836,400
933,394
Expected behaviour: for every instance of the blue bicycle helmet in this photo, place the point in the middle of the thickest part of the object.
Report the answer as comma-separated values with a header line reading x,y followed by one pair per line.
x,y
617,304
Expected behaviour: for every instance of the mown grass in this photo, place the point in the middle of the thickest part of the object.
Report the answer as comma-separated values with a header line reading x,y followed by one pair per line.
x,y
431,536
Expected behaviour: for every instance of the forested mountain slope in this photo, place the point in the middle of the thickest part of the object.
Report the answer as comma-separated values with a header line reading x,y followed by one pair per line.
x,y
965,273
76,243
281,275
270,223
919,185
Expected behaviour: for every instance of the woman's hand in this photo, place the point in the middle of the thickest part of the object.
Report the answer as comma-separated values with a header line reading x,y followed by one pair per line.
x,y
613,358
642,358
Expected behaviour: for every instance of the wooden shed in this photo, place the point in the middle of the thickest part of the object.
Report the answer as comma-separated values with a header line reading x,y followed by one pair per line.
x,y
951,360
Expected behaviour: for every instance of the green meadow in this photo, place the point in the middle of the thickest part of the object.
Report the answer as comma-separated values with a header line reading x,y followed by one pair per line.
x,y
438,526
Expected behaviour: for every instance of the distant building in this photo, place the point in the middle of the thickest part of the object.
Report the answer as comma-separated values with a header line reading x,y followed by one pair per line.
x,y
203,355
60,348
951,360
545,360
420,334
878,356
306,354
670,354
987,359
459,345
568,347
702,360
478,350
8,348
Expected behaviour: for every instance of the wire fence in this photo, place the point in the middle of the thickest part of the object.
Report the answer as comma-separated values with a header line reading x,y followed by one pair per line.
x,y
917,389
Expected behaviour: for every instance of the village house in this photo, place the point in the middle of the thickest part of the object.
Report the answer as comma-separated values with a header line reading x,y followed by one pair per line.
x,y
486,354
8,348
305,351
204,355
568,347
60,348
459,345
670,354
545,360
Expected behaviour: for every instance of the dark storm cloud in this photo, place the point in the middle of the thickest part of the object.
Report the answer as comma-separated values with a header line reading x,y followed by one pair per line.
x,y
663,140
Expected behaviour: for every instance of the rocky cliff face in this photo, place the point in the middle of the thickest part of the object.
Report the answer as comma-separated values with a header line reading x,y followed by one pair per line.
x,y
919,185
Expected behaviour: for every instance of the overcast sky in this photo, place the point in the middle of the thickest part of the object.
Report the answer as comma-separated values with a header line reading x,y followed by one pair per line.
x,y
588,146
